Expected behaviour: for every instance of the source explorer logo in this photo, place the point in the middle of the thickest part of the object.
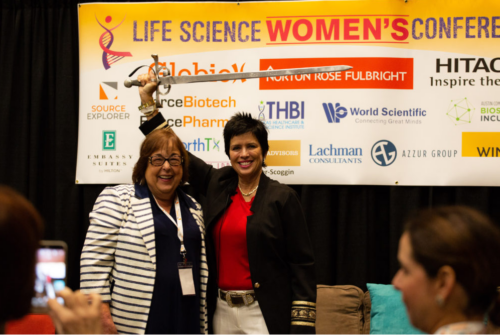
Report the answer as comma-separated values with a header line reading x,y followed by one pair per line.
x,y
108,90
108,140
384,153
334,115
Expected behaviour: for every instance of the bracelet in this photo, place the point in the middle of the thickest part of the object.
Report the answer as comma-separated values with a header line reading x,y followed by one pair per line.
x,y
146,105
148,110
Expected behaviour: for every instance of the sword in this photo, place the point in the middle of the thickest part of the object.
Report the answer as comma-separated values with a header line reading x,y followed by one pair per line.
x,y
166,80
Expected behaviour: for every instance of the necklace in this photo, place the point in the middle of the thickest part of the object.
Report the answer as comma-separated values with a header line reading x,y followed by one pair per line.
x,y
249,193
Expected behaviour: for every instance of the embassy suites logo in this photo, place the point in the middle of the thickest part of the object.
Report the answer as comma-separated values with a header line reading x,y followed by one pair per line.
x,y
331,154
108,160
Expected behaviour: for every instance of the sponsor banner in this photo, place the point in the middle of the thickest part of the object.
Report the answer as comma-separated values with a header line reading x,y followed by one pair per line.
x,y
418,107
368,72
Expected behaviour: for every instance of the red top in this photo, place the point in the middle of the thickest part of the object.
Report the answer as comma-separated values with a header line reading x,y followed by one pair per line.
x,y
230,237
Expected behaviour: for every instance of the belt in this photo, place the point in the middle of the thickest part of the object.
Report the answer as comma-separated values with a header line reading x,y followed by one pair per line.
x,y
237,299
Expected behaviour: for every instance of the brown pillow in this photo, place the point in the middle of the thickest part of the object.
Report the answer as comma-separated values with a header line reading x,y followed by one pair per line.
x,y
367,304
339,310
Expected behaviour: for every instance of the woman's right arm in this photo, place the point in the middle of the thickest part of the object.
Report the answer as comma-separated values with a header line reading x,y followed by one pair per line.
x,y
98,254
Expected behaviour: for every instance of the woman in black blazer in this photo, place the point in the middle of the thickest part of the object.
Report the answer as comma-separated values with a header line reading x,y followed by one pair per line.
x,y
268,285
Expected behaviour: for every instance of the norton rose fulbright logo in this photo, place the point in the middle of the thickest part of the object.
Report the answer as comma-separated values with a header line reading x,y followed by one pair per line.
x,y
106,39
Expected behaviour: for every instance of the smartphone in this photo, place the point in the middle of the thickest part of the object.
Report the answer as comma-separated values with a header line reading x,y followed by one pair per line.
x,y
50,274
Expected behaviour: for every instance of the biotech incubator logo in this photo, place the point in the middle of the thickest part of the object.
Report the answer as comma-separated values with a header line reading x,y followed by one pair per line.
x,y
106,39
384,153
460,111
333,115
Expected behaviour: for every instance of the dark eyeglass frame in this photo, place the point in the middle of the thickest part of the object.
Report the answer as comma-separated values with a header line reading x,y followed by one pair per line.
x,y
166,159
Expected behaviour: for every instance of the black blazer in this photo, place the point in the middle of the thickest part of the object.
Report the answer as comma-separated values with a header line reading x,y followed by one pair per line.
x,y
279,248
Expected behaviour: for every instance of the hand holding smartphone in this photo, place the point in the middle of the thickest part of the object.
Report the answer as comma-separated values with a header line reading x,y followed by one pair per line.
x,y
50,274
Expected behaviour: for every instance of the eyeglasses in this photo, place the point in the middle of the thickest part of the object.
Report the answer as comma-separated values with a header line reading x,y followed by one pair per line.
x,y
174,160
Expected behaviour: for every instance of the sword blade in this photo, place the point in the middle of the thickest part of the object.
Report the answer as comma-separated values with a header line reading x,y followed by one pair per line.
x,y
170,80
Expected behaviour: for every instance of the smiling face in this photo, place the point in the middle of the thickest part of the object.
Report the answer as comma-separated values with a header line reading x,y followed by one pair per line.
x,y
418,290
163,180
246,157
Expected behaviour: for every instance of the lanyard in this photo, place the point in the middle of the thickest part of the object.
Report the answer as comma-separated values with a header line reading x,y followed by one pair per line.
x,y
177,223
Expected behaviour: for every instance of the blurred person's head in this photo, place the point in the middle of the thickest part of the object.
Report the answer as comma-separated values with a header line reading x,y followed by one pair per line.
x,y
450,267
20,234
163,163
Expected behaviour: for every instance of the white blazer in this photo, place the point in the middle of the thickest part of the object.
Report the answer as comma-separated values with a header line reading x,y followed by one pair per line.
x,y
119,252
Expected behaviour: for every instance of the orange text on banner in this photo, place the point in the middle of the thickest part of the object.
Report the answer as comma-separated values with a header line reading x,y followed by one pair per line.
x,y
367,72
283,153
484,144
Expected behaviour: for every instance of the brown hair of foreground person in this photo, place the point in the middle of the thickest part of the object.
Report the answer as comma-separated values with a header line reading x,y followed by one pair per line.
x,y
20,234
469,243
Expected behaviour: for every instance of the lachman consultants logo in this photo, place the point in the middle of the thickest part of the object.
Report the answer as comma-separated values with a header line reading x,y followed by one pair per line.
x,y
384,153
106,39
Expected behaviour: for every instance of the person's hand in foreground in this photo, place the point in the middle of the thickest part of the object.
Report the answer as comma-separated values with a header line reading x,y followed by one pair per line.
x,y
80,315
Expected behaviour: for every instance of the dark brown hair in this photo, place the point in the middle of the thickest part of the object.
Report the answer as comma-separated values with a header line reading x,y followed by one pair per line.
x,y
157,140
20,234
467,241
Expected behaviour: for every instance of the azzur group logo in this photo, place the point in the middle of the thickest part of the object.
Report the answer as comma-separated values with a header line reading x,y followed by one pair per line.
x,y
109,140
384,153
334,115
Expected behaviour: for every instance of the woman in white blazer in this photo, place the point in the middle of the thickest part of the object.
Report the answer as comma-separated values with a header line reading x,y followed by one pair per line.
x,y
145,249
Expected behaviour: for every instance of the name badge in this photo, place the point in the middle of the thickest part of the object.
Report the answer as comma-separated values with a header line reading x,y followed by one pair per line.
x,y
186,277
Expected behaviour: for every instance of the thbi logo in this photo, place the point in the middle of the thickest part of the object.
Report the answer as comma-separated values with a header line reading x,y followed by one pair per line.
x,y
384,153
262,108
109,140
333,115
282,111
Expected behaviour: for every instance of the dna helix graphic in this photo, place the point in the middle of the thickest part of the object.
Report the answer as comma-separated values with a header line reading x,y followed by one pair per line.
x,y
110,57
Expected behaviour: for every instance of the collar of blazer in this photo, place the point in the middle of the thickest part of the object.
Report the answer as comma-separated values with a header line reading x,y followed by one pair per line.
x,y
141,192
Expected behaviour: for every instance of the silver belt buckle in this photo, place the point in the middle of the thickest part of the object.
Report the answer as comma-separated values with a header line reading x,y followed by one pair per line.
x,y
248,299
229,299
